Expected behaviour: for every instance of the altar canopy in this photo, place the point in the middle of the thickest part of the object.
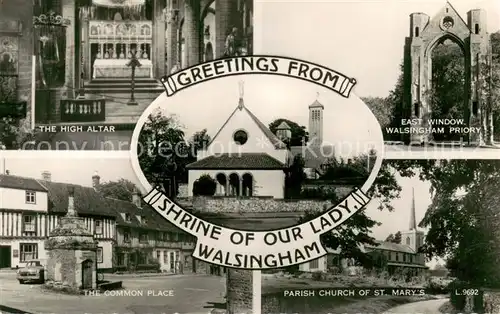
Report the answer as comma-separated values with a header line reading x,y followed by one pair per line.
x,y
117,30
118,3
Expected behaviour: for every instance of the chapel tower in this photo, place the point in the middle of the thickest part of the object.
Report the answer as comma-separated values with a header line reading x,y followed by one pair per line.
x,y
316,123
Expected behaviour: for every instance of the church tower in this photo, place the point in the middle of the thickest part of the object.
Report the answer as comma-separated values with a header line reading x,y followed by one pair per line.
x,y
413,237
316,123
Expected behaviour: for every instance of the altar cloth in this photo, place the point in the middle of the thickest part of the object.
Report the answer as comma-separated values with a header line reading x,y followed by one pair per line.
x,y
117,68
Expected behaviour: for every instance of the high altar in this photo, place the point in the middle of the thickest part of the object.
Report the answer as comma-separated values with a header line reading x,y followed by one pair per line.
x,y
117,30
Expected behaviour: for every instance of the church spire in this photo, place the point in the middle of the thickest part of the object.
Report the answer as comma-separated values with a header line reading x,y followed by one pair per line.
x,y
241,104
413,221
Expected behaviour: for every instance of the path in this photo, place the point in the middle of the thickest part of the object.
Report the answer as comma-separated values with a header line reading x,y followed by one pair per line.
x,y
422,307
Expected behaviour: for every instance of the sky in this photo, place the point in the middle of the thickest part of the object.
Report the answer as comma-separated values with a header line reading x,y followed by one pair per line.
x,y
76,168
362,39
269,97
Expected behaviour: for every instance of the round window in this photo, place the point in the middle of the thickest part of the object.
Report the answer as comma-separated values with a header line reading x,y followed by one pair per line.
x,y
240,137
447,23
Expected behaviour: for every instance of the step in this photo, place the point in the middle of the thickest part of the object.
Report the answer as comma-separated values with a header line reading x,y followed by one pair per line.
x,y
127,86
123,80
121,90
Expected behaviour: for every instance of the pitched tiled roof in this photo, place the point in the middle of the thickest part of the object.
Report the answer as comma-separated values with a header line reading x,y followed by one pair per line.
x,y
390,246
87,200
153,220
314,156
278,144
15,182
238,161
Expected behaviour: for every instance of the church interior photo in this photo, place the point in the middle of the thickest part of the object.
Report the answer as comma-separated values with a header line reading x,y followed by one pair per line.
x,y
99,61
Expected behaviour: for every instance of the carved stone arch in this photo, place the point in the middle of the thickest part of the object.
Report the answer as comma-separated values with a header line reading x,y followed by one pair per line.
x,y
462,43
475,44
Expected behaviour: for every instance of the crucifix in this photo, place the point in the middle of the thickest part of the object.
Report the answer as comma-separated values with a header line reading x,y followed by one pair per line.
x,y
242,91
133,63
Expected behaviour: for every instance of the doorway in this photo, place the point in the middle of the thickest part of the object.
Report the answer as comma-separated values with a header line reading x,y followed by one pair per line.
x,y
5,256
87,274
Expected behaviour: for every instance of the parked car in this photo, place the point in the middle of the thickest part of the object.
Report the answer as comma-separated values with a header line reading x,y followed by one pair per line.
x,y
32,272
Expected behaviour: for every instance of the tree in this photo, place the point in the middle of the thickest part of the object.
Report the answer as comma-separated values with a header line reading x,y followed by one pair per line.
x,y
205,186
295,177
14,134
121,189
463,219
381,109
375,259
356,230
299,133
200,140
358,167
446,96
163,152
394,238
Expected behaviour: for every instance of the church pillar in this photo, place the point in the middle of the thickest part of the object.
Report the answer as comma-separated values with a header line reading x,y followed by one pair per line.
x,y
68,12
85,48
192,32
158,51
222,25
172,29
241,188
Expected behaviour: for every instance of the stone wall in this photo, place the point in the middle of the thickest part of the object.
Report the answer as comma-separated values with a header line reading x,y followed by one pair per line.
x,y
239,286
61,267
253,205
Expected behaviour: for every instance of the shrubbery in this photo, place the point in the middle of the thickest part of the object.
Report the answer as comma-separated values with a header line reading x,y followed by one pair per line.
x,y
317,276
204,186
320,193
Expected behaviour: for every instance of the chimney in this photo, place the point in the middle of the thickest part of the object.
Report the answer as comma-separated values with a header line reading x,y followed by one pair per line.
x,y
71,202
136,198
46,176
96,180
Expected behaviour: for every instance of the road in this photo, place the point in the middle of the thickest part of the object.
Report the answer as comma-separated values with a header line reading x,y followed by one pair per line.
x,y
422,307
196,294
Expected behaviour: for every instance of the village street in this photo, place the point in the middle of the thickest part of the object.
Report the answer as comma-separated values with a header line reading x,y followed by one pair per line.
x,y
167,294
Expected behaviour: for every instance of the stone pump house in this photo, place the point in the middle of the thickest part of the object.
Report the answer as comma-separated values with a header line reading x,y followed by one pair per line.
x,y
72,253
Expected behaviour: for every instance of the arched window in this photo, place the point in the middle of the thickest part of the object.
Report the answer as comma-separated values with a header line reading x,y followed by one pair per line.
x,y
417,31
408,241
476,28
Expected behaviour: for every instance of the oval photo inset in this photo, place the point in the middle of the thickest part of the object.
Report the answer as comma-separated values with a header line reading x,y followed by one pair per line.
x,y
253,154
